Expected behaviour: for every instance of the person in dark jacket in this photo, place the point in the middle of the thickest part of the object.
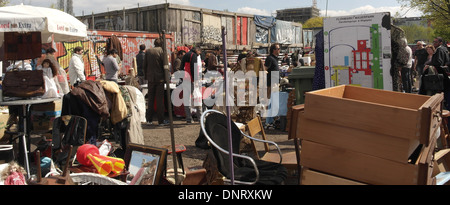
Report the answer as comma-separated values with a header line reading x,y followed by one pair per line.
x,y
154,73
271,65
140,57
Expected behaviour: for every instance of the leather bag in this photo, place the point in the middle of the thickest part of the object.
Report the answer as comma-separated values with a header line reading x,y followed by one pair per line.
x,y
24,83
433,82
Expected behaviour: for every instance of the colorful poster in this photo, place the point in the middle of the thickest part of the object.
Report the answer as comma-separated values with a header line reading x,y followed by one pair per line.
x,y
358,51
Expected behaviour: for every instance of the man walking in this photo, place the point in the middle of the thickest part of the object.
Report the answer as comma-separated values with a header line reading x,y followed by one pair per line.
x,y
76,67
154,73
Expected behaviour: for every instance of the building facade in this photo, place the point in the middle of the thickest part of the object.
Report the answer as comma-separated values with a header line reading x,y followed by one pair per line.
x,y
300,15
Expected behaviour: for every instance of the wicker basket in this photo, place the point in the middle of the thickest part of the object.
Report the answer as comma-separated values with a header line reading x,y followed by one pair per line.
x,y
94,179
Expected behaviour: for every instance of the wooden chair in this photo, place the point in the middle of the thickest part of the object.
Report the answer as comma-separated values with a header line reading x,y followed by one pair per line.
x,y
289,160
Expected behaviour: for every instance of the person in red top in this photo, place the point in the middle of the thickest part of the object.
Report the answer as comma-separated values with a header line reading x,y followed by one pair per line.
x,y
189,63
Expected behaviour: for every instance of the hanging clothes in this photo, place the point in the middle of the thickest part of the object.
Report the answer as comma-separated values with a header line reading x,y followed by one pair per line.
x,y
118,107
134,130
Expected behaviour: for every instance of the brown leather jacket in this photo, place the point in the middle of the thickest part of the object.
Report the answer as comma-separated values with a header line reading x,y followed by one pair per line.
x,y
154,65
92,93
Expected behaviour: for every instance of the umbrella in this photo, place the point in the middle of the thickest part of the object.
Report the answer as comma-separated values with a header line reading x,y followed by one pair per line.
x,y
50,22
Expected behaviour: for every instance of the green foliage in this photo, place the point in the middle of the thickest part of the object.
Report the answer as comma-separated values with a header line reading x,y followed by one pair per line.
x,y
313,22
415,32
3,3
438,11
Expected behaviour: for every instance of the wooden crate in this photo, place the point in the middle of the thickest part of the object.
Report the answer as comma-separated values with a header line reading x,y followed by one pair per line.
x,y
371,143
312,177
369,169
409,116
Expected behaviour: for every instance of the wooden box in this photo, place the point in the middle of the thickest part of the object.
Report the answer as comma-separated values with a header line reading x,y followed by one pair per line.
x,y
409,116
371,143
311,177
369,169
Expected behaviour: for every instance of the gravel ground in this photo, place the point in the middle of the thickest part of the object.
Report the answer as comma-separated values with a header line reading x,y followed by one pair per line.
x,y
186,134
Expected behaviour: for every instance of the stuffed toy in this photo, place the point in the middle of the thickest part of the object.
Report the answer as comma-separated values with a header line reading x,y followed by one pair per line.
x,y
14,175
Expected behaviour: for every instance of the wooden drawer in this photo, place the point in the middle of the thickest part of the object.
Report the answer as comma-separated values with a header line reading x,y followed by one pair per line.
x,y
371,143
409,116
311,177
366,168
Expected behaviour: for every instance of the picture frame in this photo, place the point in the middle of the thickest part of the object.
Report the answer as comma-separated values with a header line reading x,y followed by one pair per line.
x,y
146,164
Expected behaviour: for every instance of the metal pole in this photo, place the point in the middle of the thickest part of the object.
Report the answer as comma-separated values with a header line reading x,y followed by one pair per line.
x,y
230,137
169,105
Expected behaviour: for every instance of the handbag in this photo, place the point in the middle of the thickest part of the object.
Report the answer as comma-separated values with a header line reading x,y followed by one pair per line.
x,y
28,83
433,82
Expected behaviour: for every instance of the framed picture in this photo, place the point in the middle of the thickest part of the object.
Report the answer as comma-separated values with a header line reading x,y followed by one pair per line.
x,y
146,164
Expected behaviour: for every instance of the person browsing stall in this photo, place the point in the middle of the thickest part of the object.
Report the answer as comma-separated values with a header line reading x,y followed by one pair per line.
x,y
271,65
111,66
76,67
154,74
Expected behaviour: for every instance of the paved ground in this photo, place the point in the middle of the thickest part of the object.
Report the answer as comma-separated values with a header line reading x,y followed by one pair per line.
x,y
186,134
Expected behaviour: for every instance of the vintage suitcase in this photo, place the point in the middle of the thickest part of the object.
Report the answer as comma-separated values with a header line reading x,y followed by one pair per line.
x,y
370,169
409,116
28,83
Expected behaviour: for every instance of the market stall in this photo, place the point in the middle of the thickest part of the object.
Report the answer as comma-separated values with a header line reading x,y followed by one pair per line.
x,y
23,29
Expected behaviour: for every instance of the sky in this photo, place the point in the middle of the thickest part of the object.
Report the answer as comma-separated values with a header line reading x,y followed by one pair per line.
x,y
257,7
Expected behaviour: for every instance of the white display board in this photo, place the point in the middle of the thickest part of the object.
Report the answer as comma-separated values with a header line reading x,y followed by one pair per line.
x,y
358,50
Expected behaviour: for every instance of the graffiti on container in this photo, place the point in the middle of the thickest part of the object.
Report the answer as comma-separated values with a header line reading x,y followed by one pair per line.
x,y
95,48
191,34
212,34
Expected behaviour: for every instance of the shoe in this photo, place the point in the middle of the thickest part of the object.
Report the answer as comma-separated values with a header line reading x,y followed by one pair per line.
x,y
149,123
164,123
188,121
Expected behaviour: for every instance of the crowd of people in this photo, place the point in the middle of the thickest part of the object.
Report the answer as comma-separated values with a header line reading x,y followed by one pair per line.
x,y
429,65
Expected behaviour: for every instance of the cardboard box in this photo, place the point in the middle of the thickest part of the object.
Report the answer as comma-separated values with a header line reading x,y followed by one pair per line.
x,y
312,177
369,169
409,116
42,115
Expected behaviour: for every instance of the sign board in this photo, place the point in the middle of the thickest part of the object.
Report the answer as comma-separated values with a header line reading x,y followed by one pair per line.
x,y
358,50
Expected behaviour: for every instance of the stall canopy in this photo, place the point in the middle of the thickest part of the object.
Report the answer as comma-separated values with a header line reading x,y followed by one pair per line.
x,y
48,21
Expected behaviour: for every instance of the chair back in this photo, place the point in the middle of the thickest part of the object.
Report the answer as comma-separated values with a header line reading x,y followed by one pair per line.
x,y
254,127
68,130
215,126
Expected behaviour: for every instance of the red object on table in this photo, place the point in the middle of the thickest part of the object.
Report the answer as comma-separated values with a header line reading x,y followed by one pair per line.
x,y
83,152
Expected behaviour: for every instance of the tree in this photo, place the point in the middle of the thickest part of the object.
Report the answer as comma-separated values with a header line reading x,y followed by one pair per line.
x,y
313,22
438,11
3,3
415,32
